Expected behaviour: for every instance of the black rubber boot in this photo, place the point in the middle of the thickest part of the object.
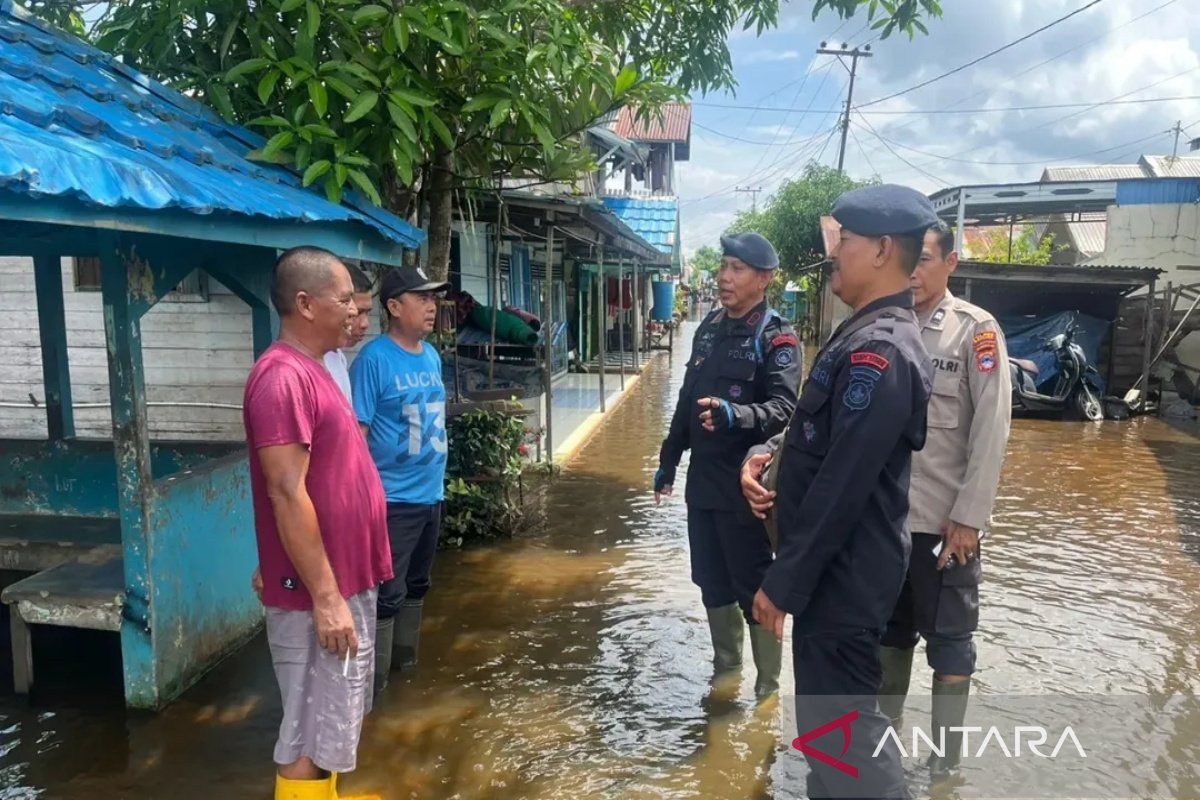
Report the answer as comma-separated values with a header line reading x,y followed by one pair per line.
x,y
408,634
897,671
949,711
726,624
768,656
383,652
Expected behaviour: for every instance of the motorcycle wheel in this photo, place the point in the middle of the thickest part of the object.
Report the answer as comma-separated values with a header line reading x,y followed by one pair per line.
x,y
1088,406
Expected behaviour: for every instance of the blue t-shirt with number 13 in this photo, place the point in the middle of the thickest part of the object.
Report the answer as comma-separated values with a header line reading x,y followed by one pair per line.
x,y
400,397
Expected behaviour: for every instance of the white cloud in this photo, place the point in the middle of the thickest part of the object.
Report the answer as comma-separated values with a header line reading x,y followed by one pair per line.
x,y
967,148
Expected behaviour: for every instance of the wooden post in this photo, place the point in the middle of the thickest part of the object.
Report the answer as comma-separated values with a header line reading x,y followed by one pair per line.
x,y
495,292
1168,312
600,314
620,314
22,651
1146,331
637,319
52,327
131,446
548,327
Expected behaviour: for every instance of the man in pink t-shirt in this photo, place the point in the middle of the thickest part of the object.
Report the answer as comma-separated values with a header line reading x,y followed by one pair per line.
x,y
320,517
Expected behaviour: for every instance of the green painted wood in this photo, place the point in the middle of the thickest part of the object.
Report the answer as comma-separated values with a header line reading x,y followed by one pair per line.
x,y
131,445
52,328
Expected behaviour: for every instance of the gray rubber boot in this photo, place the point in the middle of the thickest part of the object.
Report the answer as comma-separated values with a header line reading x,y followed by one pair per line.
x,y
897,671
768,656
726,624
408,634
383,652
949,711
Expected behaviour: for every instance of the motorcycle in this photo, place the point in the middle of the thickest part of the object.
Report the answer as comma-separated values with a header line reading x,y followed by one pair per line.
x,y
1073,390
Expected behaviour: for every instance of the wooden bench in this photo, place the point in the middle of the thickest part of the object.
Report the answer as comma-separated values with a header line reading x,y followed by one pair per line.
x,y
81,594
34,542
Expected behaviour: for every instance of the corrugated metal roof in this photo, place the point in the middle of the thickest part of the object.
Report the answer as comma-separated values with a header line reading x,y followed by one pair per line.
x,y
1168,167
77,123
1088,237
675,124
655,219
1093,172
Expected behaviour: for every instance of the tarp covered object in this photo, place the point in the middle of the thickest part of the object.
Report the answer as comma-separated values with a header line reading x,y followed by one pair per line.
x,y
508,327
1026,337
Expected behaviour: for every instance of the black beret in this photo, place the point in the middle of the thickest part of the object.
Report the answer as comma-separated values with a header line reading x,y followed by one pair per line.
x,y
884,210
752,248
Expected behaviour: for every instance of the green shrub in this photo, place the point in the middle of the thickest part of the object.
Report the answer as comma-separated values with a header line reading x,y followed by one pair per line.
x,y
483,473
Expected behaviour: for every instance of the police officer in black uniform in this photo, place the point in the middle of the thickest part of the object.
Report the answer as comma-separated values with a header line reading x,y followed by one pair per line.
x,y
739,390
842,499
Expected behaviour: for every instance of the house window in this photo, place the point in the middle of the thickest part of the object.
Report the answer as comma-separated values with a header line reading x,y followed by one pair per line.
x,y
192,289
87,273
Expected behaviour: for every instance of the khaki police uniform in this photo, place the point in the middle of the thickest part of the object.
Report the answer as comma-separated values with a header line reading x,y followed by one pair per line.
x,y
955,477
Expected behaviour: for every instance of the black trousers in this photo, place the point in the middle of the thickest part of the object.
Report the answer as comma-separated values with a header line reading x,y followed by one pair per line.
x,y
939,606
837,676
730,554
413,535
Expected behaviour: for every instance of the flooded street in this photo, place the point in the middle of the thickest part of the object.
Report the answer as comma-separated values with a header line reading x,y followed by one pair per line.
x,y
574,663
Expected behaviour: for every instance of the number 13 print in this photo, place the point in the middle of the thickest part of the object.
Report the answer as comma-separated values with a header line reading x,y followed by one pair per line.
x,y
417,426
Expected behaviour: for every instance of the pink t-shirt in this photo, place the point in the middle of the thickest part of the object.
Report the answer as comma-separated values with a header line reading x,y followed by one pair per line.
x,y
292,399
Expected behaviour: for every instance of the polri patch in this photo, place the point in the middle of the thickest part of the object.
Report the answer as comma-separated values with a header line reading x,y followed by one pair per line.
x,y
861,387
785,339
784,357
865,357
986,362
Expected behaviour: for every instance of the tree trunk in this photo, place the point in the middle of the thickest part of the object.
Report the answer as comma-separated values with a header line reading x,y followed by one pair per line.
x,y
441,212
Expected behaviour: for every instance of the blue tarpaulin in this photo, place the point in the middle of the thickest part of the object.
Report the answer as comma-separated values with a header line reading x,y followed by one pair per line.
x,y
1026,337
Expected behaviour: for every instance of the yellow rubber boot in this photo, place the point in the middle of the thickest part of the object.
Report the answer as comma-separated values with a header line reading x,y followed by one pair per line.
x,y
333,795
288,789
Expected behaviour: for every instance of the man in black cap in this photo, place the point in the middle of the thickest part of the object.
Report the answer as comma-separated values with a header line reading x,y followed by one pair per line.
x,y
842,498
400,404
739,390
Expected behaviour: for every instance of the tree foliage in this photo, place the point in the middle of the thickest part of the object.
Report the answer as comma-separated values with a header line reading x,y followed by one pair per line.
x,y
413,103
705,261
993,247
791,217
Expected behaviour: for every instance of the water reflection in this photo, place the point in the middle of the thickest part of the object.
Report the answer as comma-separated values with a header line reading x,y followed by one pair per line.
x,y
573,662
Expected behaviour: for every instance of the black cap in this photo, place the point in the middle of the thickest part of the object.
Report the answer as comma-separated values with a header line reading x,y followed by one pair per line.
x,y
751,248
407,279
884,210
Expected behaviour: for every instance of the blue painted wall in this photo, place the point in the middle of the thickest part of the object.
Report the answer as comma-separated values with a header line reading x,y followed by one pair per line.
x,y
201,554
79,478
1158,191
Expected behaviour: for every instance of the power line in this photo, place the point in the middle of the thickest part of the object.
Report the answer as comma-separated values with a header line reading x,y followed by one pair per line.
x,y
983,57
763,155
863,150
885,143
1010,78
855,55
982,110
737,138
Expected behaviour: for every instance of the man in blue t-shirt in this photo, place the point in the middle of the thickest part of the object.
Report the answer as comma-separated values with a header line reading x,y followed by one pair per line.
x,y
400,402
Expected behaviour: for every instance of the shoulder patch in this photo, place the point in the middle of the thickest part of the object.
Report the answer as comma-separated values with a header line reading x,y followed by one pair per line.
x,y
784,357
785,339
986,352
865,357
861,387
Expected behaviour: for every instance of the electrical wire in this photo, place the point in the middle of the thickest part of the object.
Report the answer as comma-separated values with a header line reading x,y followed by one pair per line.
x,y
983,57
863,150
985,110
885,143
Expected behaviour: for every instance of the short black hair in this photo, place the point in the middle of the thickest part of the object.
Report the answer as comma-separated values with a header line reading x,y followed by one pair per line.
x,y
362,283
909,244
945,237
301,269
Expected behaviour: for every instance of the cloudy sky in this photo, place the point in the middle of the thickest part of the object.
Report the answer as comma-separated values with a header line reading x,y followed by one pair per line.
x,y
1117,50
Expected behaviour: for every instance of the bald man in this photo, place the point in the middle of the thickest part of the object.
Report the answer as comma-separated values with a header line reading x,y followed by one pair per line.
x,y
321,522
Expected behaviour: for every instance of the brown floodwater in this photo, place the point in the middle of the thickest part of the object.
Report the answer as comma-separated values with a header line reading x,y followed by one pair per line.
x,y
573,663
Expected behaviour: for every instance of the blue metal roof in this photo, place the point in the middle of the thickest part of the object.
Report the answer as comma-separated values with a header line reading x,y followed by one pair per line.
x,y
76,124
654,219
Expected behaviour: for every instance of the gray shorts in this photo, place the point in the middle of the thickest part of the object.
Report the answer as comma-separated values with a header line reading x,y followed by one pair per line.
x,y
322,710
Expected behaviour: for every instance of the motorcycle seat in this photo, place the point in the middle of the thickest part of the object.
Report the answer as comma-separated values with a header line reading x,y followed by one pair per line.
x,y
1026,365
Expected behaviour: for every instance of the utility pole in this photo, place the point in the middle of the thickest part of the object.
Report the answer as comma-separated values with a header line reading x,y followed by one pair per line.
x,y
1178,129
855,55
753,196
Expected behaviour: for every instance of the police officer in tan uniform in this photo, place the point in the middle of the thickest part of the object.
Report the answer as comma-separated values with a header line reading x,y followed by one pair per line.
x,y
953,488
